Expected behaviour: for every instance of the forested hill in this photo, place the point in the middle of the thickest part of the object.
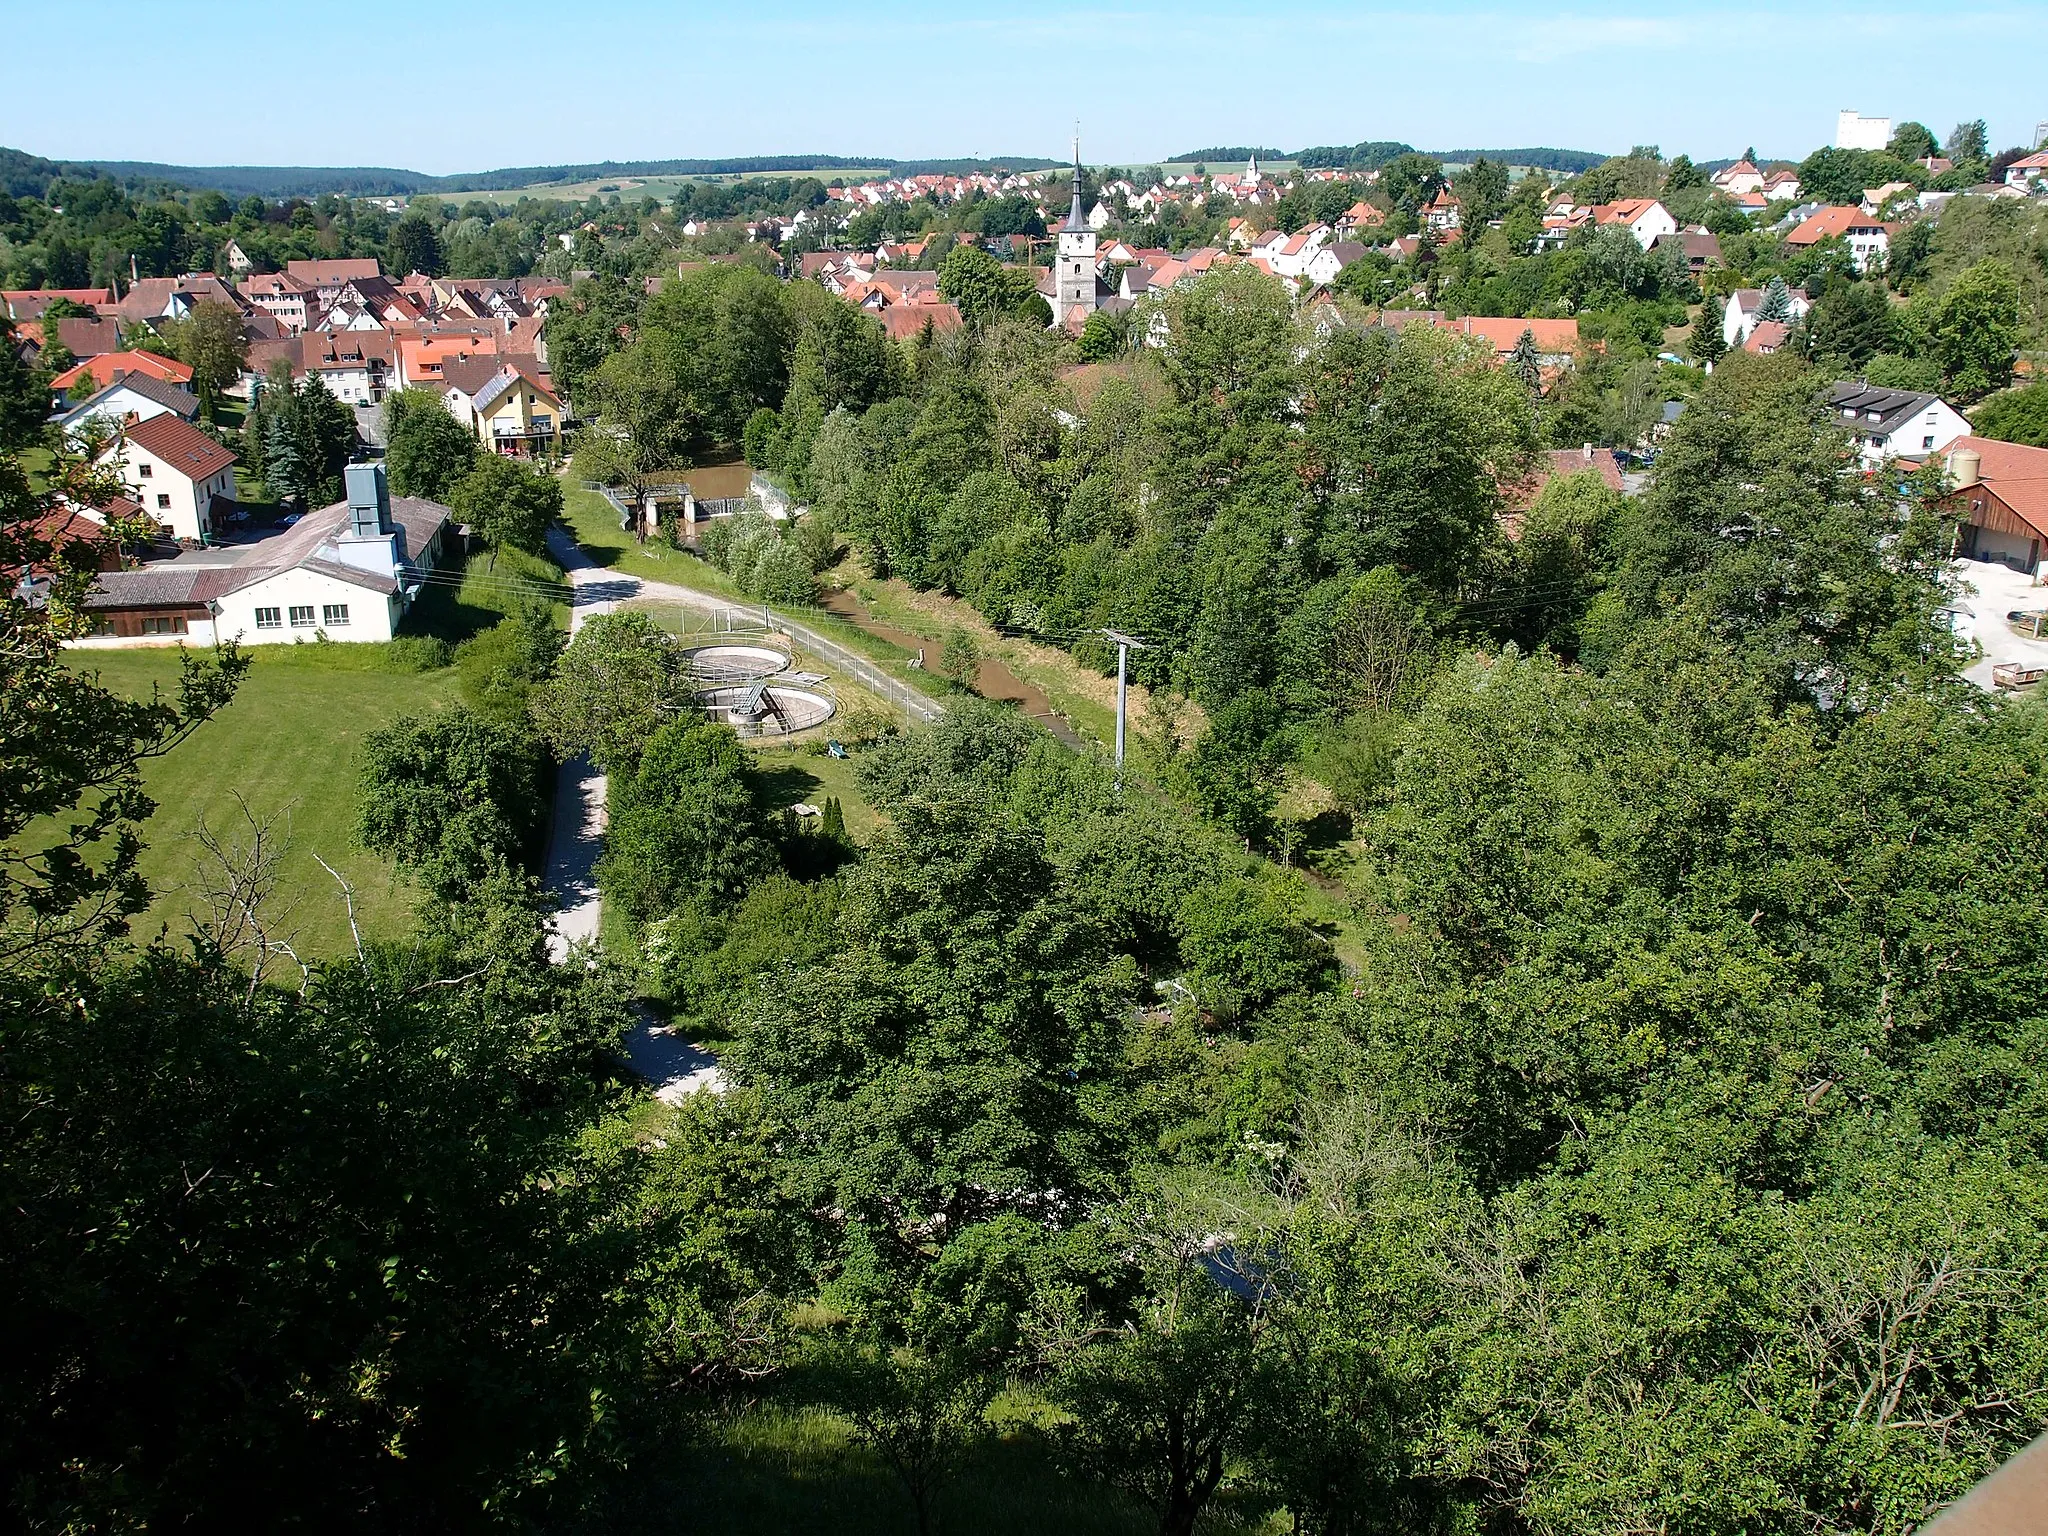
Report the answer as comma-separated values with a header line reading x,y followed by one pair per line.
x,y
1375,153
28,175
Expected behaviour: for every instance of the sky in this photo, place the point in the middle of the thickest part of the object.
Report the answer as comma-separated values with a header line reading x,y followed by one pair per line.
x,y
444,88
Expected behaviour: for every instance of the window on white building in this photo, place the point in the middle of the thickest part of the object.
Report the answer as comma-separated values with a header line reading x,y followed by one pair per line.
x,y
270,618
333,614
145,470
302,615
163,500
1928,441
170,626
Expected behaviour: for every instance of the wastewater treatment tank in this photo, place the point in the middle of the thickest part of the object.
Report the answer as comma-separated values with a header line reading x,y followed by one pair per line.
x,y
763,708
734,663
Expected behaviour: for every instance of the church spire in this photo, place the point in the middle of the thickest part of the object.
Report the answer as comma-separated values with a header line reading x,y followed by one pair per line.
x,y
1076,219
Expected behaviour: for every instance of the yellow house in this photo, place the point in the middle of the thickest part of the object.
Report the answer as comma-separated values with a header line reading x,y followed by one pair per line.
x,y
515,414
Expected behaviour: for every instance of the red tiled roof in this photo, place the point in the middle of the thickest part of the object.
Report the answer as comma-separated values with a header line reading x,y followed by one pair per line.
x,y
183,448
104,366
1829,222
1505,332
904,321
1767,337
2016,474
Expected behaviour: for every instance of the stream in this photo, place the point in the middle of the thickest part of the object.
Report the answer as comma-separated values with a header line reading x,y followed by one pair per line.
x,y
992,680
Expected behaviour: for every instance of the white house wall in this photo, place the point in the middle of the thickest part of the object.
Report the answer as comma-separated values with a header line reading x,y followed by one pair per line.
x,y
372,615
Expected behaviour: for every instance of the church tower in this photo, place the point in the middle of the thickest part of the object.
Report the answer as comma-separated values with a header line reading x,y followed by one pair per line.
x,y
1074,276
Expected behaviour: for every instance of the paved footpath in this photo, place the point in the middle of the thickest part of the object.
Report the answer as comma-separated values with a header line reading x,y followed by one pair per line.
x,y
672,1064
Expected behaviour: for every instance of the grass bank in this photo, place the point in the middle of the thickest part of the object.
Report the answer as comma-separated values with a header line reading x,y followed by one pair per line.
x,y
779,1466
288,744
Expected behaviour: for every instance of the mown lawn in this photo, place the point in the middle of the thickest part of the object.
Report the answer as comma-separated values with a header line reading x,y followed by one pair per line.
x,y
791,775
288,745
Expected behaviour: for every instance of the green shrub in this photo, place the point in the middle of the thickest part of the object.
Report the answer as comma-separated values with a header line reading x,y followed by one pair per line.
x,y
418,653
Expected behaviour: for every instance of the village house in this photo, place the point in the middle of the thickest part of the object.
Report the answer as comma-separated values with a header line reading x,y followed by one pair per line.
x,y
182,478
1869,241
1894,423
2027,172
516,414
1766,337
1739,178
283,297
1744,304
1443,214
1644,217
109,364
1698,248
129,398
25,304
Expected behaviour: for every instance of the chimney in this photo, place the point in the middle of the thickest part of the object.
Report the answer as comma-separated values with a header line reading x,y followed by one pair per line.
x,y
369,503
1965,467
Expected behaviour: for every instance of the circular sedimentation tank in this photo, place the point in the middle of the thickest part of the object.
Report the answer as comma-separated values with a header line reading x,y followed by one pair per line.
x,y
767,709
734,663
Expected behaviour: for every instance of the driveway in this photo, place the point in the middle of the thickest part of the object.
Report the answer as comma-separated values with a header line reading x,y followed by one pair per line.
x,y
672,1064
1985,594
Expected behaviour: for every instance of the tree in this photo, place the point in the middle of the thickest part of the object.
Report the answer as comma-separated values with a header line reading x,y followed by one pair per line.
x,y
1969,141
1159,1408
1681,175
415,245
959,658
505,503
1483,191
24,395
620,680
307,436
210,342
428,452
1850,325
1975,330
1233,773
2017,416
684,826
1777,302
1913,141
1100,340
984,289
1708,342
1525,362
452,796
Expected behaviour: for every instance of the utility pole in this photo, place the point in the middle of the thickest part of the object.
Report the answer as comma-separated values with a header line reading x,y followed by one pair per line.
x,y
1125,644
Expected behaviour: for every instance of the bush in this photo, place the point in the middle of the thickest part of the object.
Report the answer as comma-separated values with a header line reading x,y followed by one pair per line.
x,y
418,653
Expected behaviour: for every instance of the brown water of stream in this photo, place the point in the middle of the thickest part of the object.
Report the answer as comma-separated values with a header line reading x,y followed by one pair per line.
x,y
992,680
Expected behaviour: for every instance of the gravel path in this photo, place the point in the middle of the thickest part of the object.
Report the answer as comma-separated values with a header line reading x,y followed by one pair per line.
x,y
672,1064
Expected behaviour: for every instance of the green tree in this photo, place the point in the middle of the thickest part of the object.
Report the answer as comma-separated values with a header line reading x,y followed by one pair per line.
x,y
415,245
1161,1406
507,504
451,796
1525,363
1969,141
620,680
1100,341
1913,141
210,342
1708,341
684,827
1975,330
24,395
2017,416
1777,302
427,451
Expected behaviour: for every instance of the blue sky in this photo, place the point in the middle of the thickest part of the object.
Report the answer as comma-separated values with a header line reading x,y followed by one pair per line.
x,y
443,88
